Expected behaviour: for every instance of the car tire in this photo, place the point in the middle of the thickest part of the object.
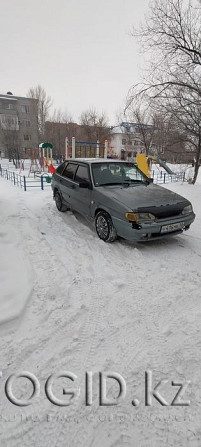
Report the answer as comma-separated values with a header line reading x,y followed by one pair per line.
x,y
104,227
59,204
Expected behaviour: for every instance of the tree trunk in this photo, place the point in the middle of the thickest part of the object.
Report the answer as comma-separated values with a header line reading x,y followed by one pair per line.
x,y
197,162
195,172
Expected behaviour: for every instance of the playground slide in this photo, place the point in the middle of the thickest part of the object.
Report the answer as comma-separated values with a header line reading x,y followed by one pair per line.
x,y
51,168
142,164
164,165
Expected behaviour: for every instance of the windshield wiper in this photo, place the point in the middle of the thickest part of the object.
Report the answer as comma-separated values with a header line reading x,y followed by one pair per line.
x,y
133,182
110,183
125,182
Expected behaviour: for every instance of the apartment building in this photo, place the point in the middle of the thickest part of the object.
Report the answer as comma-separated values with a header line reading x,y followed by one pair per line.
x,y
18,124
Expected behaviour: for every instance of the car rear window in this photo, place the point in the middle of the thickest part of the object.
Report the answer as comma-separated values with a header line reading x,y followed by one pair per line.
x,y
70,170
60,168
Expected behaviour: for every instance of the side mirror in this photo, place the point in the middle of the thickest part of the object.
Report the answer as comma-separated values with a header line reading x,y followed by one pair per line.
x,y
84,185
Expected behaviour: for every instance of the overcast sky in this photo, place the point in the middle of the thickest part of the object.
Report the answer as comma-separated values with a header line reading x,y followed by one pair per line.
x,y
81,52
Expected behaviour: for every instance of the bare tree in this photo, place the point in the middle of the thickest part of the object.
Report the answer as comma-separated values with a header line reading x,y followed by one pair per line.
x,y
94,125
145,127
170,138
10,132
59,116
173,31
172,35
185,110
43,107
59,126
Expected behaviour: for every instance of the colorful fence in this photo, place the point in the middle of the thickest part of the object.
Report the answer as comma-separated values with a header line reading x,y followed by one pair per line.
x,y
86,150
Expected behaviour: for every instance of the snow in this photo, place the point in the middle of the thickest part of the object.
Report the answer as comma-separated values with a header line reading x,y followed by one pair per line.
x,y
16,288
71,302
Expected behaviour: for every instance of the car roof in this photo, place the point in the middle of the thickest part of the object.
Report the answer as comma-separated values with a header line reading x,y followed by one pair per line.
x,y
97,160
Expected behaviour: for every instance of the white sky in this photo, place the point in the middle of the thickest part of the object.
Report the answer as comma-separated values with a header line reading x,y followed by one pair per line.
x,y
81,52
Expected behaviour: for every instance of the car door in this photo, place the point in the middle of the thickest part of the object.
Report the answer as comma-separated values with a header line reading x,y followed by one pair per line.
x,y
66,182
81,195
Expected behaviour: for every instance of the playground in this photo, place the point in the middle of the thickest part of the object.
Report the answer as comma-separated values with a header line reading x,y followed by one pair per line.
x,y
35,169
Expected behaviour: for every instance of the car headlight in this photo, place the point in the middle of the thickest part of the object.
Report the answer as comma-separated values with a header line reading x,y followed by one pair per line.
x,y
188,209
139,217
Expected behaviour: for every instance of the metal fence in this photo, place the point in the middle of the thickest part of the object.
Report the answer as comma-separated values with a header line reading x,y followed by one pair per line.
x,y
164,177
44,180
39,181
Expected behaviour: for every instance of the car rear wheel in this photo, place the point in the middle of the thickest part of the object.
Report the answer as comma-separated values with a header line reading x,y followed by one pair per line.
x,y
59,204
104,227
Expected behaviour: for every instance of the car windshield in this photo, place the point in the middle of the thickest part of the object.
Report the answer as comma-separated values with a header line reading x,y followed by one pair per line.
x,y
117,174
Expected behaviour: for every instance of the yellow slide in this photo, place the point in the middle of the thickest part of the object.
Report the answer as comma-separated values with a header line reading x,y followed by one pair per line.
x,y
142,164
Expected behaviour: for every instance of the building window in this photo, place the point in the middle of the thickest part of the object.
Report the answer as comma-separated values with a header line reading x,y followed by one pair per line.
x,y
26,123
27,137
9,122
9,106
123,141
25,108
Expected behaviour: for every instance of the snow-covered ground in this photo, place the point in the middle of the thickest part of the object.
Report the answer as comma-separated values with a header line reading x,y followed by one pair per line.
x,y
83,305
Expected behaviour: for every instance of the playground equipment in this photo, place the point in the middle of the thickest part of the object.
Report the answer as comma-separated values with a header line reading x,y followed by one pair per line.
x,y
35,165
33,155
40,159
85,149
45,154
46,159
144,163
164,165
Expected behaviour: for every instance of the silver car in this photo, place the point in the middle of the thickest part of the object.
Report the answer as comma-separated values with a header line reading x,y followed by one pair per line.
x,y
120,199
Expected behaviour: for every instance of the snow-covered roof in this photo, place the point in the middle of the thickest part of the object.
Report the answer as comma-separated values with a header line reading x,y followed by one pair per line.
x,y
8,97
128,127
13,97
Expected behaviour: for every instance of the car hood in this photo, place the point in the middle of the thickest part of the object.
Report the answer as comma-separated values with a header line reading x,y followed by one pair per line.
x,y
143,196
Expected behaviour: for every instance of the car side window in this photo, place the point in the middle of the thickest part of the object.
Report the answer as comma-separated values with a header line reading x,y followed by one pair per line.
x,y
70,170
61,168
82,174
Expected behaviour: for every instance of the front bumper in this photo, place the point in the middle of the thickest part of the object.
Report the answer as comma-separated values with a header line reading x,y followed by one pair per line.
x,y
151,230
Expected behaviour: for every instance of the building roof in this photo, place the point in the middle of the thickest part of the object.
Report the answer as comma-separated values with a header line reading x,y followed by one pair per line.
x,y
12,97
8,97
127,126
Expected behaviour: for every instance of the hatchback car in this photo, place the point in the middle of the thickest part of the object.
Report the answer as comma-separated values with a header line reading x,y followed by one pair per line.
x,y
120,199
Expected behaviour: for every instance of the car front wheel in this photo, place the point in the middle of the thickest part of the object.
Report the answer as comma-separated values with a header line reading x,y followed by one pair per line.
x,y
104,227
59,204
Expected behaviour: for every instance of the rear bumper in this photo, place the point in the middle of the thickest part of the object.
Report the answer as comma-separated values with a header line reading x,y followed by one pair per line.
x,y
150,231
